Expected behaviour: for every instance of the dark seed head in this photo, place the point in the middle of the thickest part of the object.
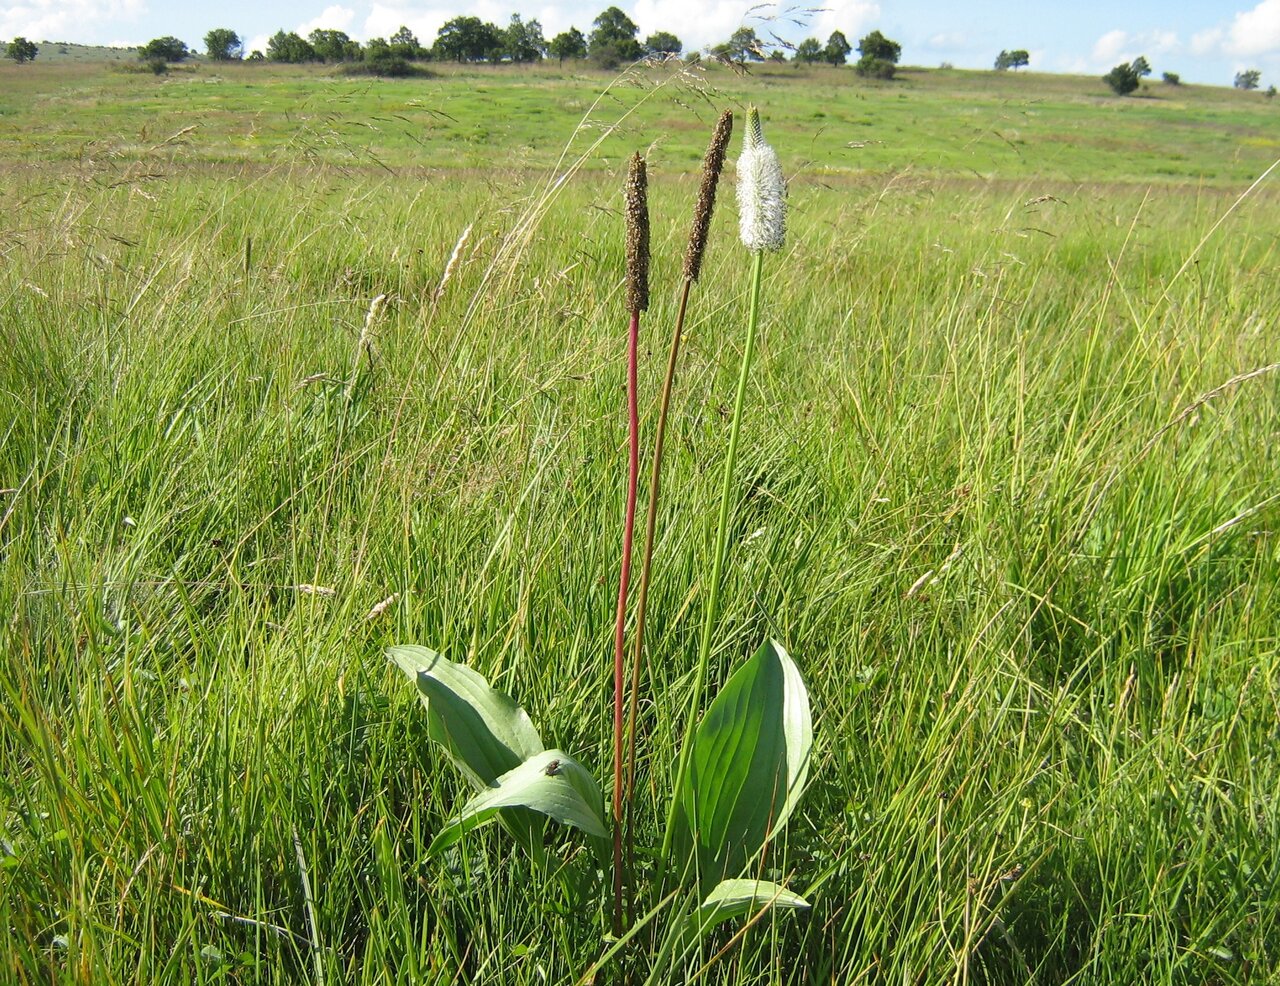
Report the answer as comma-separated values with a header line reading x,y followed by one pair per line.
x,y
637,236
712,165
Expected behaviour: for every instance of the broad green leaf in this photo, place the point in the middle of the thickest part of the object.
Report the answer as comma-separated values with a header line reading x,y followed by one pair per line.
x,y
482,729
747,767
551,783
735,898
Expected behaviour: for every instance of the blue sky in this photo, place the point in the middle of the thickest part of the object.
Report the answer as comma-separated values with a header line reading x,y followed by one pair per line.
x,y
1206,41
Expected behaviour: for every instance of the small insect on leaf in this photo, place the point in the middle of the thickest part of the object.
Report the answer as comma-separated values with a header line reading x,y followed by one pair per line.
x,y
550,783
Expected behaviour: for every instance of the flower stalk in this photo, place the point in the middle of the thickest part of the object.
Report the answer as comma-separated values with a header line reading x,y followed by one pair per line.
x,y
762,227
637,280
704,207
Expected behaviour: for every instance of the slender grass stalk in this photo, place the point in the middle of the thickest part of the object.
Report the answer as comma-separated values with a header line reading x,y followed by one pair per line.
x,y
704,208
762,214
637,214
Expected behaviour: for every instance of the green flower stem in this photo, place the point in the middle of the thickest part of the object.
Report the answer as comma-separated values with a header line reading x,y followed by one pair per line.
x,y
717,563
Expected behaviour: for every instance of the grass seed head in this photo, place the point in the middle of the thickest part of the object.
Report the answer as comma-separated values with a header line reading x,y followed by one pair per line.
x,y
712,165
455,259
762,191
637,236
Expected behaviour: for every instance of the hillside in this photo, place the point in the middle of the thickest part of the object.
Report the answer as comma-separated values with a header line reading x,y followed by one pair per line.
x,y
939,123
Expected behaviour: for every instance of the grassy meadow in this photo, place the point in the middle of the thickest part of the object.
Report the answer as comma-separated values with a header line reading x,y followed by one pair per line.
x,y
1007,492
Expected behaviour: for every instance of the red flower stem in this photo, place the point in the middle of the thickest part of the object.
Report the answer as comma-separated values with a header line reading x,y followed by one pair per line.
x,y
619,641
646,563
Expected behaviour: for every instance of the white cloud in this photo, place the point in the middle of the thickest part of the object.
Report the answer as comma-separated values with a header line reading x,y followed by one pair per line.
x,y
1116,47
1112,46
1251,34
695,24
57,20
1206,42
1256,31
948,41
335,18
383,21
853,18
555,19
332,18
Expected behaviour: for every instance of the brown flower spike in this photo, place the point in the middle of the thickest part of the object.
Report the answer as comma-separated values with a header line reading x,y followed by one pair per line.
x,y
637,236
712,165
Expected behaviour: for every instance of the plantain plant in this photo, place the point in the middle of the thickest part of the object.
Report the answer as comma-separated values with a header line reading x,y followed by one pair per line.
x,y
743,767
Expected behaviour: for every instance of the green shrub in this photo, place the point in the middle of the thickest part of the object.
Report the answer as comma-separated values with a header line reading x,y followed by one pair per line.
x,y
1123,79
388,67
870,67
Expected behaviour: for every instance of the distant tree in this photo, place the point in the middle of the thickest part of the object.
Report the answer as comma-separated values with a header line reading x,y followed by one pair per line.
x,y
1248,79
613,39
523,40
404,44
809,50
167,49
468,39
1271,92
568,44
223,45
1171,78
1141,66
291,48
1015,59
386,60
777,55
743,46
879,56
334,46
1123,79
663,43
877,45
837,50
256,56
21,50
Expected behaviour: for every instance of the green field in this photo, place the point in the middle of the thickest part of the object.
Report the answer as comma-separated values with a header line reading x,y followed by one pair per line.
x,y
1007,492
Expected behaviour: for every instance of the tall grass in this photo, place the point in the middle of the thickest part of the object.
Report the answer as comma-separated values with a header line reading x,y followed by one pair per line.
x,y
1005,513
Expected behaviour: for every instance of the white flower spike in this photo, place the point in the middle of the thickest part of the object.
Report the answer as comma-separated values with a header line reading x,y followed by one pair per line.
x,y
762,191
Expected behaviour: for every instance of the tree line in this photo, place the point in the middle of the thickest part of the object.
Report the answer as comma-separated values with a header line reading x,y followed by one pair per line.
x,y
614,39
